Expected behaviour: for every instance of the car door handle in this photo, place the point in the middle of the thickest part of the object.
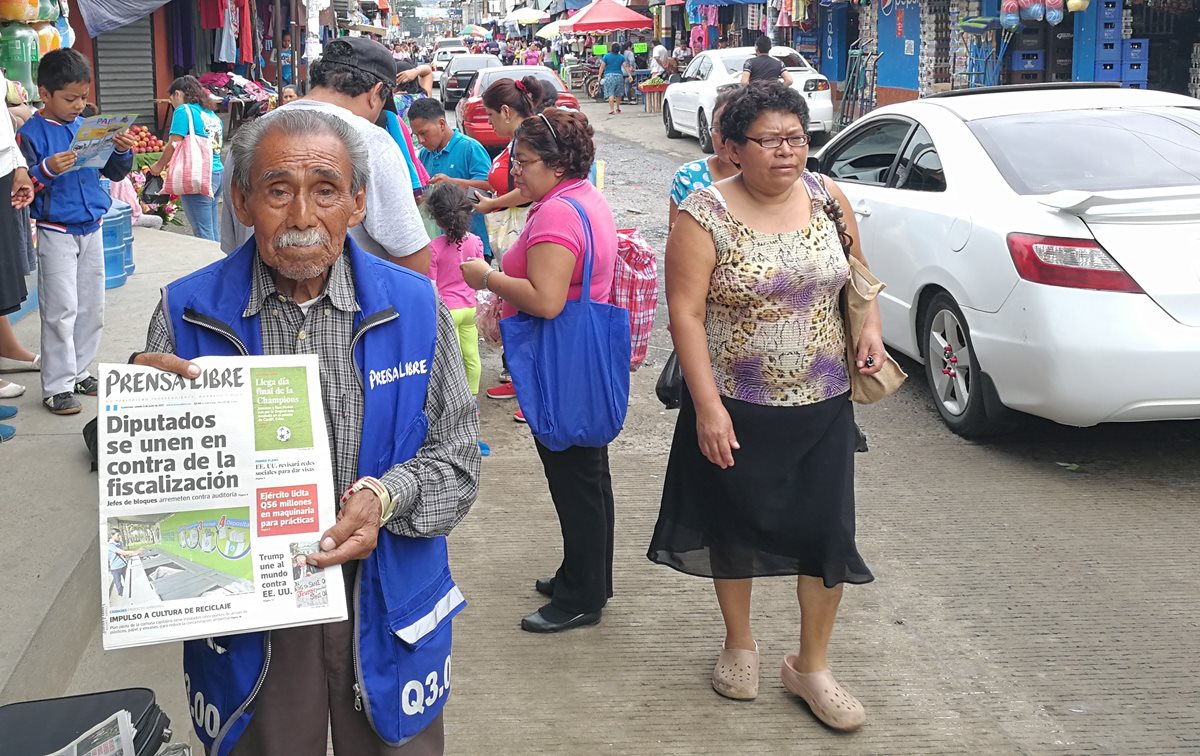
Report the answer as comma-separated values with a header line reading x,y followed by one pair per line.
x,y
863,210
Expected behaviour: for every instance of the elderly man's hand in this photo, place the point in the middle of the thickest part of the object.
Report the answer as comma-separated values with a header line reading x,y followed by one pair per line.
x,y
169,363
354,535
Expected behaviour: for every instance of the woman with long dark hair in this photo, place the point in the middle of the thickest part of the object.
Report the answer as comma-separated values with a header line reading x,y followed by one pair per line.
x,y
194,115
509,103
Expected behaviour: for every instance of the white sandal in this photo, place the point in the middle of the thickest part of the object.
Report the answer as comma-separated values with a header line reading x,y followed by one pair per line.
x,y
10,390
21,366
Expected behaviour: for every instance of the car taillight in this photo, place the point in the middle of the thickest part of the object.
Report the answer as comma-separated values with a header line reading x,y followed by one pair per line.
x,y
476,113
816,85
1074,263
452,82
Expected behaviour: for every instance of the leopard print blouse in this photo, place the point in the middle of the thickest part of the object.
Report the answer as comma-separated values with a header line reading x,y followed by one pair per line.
x,y
775,334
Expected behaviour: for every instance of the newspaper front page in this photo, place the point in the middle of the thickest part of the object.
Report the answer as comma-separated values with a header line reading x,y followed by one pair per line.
x,y
213,491
112,737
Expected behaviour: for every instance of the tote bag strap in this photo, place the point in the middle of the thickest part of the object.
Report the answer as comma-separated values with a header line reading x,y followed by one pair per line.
x,y
589,251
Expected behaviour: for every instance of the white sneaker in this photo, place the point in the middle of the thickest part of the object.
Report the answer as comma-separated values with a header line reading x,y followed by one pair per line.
x,y
10,390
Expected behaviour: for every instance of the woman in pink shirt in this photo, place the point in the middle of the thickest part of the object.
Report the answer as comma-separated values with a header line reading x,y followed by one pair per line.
x,y
542,270
451,209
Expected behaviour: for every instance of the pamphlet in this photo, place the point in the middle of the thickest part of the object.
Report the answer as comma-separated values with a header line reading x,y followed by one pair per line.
x,y
213,491
94,140
112,737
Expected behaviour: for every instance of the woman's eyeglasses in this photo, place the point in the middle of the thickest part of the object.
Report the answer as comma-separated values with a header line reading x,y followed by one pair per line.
x,y
517,167
774,142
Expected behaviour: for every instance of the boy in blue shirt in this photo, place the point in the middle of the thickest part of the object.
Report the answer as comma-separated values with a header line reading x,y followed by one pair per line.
x,y
68,207
451,156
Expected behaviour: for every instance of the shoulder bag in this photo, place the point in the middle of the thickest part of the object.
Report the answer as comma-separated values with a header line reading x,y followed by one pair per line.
x,y
860,290
571,372
190,171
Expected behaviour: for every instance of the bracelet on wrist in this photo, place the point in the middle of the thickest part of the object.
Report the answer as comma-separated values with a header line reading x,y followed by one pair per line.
x,y
375,486
487,275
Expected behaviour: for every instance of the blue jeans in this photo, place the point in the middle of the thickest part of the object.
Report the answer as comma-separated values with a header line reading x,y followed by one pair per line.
x,y
117,582
201,211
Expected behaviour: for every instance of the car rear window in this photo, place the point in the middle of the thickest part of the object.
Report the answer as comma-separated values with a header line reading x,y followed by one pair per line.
x,y
733,63
1094,150
472,63
548,76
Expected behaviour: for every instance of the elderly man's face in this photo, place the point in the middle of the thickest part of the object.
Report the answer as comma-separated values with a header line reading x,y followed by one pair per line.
x,y
300,203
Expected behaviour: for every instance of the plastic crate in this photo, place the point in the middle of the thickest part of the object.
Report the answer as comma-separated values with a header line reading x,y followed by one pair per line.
x,y
1135,49
1028,60
1134,70
1028,38
1028,77
1134,84
1108,71
1108,51
1110,10
1108,31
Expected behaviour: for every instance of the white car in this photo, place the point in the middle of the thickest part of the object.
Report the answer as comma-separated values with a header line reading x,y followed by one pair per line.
x,y
441,59
688,104
1040,246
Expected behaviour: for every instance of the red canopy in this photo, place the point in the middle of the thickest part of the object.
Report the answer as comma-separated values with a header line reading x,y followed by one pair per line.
x,y
603,17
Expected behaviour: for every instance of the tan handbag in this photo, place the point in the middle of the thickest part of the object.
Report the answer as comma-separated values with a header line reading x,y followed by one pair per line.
x,y
861,288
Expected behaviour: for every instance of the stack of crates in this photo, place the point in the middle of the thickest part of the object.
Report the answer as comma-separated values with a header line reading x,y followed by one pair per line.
x,y
1060,52
1027,62
1109,41
1135,58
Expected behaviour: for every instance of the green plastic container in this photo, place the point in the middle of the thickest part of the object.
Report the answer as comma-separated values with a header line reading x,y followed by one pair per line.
x,y
19,54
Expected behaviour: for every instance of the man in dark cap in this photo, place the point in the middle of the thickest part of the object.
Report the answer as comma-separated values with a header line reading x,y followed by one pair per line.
x,y
354,80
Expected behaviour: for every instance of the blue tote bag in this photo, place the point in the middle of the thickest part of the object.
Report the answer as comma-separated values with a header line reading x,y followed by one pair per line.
x,y
571,373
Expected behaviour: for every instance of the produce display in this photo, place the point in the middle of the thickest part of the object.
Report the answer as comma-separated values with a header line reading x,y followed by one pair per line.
x,y
146,141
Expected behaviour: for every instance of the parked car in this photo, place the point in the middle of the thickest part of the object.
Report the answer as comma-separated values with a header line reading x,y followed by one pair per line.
x,y
1039,246
472,115
442,58
448,42
688,104
459,73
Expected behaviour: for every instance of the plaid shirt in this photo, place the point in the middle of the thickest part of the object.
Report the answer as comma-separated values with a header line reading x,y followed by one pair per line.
x,y
434,490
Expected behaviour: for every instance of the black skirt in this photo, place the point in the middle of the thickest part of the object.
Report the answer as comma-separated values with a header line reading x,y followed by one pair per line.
x,y
12,257
786,507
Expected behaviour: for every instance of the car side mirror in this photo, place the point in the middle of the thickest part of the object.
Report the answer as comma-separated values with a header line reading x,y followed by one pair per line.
x,y
813,164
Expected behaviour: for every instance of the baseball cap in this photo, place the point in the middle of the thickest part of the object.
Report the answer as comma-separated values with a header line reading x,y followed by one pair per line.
x,y
366,55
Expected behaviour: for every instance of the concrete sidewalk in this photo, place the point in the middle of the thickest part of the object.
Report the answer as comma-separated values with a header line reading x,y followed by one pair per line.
x,y
50,604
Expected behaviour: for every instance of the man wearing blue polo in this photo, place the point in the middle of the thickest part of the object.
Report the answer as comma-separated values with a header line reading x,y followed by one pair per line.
x,y
450,155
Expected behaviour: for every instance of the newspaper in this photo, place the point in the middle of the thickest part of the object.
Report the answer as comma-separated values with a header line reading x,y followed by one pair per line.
x,y
213,491
94,140
112,737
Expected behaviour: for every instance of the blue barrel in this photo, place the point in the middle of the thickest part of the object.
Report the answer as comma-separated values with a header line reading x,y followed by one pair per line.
x,y
127,228
114,248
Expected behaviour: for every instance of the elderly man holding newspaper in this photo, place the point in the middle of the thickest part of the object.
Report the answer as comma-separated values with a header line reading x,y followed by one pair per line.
x,y
402,431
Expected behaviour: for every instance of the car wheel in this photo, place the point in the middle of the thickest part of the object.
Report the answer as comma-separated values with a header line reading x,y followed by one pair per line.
x,y
669,123
706,142
952,370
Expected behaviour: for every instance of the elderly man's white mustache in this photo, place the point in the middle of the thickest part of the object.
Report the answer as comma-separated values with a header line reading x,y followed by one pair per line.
x,y
313,237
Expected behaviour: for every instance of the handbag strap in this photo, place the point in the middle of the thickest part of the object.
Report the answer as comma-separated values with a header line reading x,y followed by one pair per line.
x,y
832,208
589,252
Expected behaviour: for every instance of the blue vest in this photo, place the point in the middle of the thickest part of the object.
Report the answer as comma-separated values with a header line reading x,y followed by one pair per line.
x,y
403,595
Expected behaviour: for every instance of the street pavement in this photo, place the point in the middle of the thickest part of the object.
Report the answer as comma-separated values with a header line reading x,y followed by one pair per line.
x,y
1034,594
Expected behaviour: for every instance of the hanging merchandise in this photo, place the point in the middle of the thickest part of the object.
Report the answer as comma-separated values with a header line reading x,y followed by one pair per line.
x,y
1054,12
48,10
66,35
19,54
1031,10
1078,5
48,38
1010,14
18,10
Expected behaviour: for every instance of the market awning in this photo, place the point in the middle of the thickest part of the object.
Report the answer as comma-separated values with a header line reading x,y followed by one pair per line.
x,y
605,17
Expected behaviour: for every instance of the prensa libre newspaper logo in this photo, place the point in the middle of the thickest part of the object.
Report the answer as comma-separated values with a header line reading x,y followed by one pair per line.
x,y
402,370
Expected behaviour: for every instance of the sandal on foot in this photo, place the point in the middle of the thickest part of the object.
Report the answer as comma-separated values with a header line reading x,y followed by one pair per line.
x,y
828,700
735,674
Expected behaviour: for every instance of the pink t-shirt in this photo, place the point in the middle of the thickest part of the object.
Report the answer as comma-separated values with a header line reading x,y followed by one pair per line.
x,y
444,258
554,220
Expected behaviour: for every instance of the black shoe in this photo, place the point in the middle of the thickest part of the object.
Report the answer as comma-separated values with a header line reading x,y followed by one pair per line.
x,y
88,386
551,620
62,404
545,586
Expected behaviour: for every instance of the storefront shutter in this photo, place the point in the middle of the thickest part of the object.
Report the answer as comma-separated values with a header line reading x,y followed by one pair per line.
x,y
124,77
